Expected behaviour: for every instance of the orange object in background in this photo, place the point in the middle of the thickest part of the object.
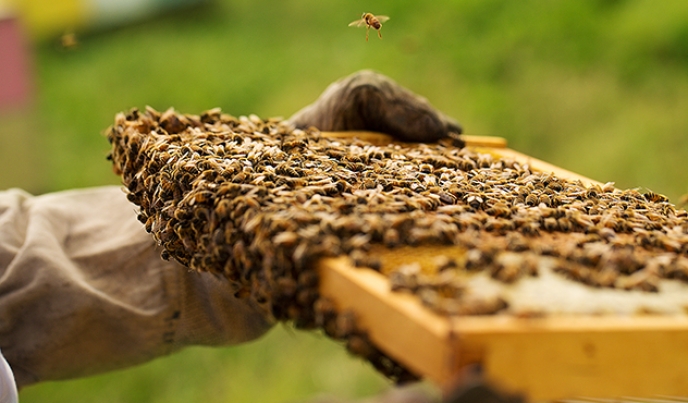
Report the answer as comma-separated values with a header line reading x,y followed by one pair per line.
x,y
16,84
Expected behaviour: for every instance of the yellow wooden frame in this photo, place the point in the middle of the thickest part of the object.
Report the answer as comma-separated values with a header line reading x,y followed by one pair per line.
x,y
545,358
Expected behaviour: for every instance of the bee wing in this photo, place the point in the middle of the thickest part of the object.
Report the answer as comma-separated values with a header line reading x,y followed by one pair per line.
x,y
382,18
358,23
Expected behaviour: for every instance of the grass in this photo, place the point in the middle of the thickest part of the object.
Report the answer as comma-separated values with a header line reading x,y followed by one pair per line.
x,y
284,366
599,87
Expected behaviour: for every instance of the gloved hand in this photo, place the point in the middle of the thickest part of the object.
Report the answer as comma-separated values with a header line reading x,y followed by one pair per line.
x,y
370,101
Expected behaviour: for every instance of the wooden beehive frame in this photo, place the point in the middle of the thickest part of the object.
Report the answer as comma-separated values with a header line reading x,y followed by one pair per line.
x,y
545,358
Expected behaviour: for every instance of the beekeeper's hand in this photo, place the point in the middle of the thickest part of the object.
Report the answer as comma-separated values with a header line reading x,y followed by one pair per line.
x,y
370,101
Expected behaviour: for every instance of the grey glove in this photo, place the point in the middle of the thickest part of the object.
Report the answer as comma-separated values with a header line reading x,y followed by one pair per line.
x,y
83,289
370,101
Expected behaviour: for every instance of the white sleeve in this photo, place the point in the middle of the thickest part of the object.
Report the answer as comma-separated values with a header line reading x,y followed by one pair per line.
x,y
8,389
83,290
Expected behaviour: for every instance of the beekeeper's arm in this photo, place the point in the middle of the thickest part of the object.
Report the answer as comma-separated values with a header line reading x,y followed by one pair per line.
x,y
83,289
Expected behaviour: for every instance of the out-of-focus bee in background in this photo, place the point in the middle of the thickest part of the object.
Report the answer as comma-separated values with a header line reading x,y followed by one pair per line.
x,y
69,40
370,21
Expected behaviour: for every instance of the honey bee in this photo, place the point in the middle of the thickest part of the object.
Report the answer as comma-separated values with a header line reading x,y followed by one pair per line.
x,y
499,225
370,21
345,324
654,197
530,228
565,224
532,200
447,198
475,201
683,200
391,238
640,280
69,41
499,210
546,200
443,263
360,346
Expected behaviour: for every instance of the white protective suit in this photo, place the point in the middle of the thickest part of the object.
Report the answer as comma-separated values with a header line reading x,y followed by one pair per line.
x,y
83,289
8,389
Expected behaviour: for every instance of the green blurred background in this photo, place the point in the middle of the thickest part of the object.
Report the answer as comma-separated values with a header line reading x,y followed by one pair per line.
x,y
599,87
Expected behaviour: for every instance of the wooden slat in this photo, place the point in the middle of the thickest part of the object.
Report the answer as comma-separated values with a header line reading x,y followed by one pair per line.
x,y
484,141
395,322
545,358
384,139
556,358
543,166
376,138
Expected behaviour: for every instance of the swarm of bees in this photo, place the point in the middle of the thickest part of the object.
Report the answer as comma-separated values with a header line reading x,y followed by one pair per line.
x,y
370,21
258,202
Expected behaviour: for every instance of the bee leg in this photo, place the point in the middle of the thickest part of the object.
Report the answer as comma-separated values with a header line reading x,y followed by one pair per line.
x,y
367,29
379,33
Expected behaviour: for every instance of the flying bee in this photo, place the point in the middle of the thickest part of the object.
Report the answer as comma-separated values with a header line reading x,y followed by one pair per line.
x,y
370,21
69,41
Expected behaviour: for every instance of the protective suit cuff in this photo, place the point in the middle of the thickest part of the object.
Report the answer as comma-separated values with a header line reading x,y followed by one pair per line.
x,y
8,388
